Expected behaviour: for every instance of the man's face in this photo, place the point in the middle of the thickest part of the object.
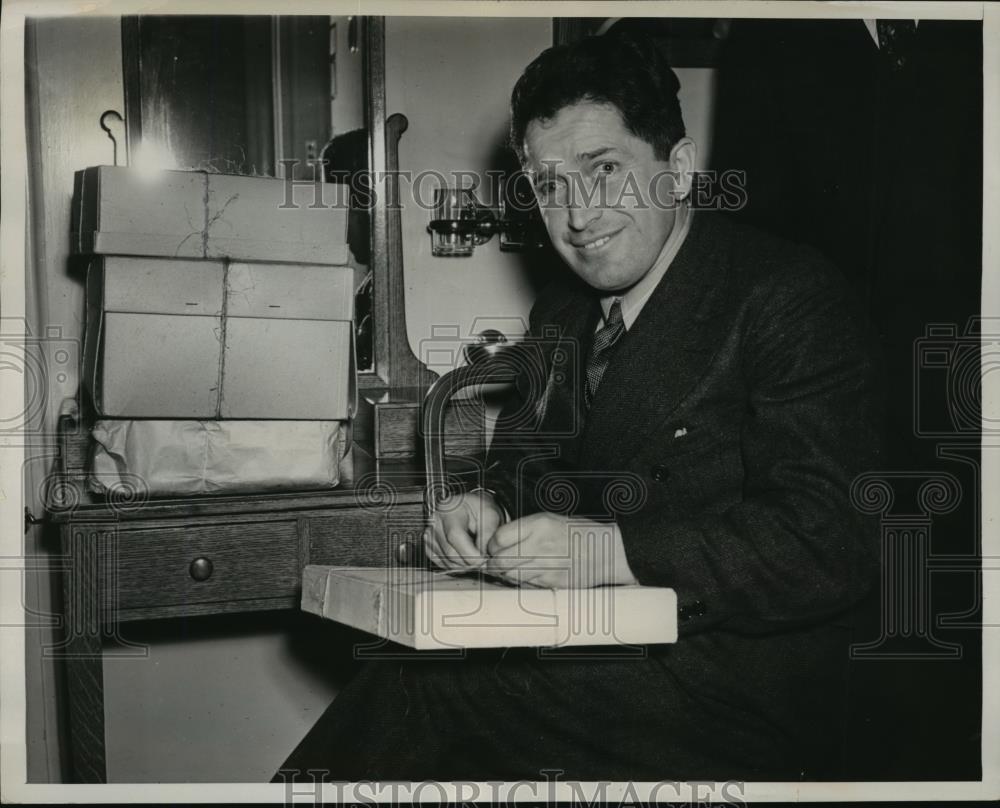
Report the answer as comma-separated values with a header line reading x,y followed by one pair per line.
x,y
604,196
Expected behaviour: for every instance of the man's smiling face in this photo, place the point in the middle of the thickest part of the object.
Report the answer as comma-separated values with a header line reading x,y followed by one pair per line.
x,y
604,195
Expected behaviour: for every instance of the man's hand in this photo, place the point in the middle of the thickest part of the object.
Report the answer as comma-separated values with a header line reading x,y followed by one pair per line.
x,y
456,539
553,551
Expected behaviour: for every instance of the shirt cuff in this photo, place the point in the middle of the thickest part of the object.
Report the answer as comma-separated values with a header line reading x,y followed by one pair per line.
x,y
497,499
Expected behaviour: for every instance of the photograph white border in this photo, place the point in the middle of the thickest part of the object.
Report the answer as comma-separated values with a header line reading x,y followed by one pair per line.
x,y
13,172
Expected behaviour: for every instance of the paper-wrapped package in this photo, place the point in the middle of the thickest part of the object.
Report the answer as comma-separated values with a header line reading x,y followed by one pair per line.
x,y
427,610
190,214
172,339
173,458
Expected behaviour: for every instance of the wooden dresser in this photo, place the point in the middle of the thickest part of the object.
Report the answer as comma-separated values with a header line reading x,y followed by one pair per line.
x,y
134,559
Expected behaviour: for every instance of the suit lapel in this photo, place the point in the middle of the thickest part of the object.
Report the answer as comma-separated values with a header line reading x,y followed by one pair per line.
x,y
560,410
668,349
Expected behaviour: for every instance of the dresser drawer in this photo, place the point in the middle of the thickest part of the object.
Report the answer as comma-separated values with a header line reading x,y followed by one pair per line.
x,y
367,537
204,564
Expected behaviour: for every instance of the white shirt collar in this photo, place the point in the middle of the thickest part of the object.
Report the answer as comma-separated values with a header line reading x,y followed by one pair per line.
x,y
635,298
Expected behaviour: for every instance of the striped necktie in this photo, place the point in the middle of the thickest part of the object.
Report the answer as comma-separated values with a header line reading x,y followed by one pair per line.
x,y
600,354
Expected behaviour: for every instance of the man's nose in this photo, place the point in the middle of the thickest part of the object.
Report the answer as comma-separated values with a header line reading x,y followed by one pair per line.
x,y
582,213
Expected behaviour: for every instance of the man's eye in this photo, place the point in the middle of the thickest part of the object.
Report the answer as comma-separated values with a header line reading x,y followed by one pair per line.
x,y
607,168
547,189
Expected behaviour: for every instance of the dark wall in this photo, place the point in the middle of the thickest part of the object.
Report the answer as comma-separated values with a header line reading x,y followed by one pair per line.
x,y
874,156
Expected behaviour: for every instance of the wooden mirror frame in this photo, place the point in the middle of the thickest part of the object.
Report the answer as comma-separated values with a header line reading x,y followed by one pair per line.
x,y
394,363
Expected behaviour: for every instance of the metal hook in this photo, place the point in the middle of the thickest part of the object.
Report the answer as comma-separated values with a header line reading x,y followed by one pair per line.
x,y
106,128
30,519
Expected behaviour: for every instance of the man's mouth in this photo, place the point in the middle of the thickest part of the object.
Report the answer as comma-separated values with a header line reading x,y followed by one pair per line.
x,y
597,243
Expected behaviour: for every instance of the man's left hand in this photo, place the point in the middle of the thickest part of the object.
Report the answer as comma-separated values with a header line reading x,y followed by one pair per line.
x,y
548,550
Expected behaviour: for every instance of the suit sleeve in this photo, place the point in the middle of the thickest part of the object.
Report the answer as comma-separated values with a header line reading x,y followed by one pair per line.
x,y
793,549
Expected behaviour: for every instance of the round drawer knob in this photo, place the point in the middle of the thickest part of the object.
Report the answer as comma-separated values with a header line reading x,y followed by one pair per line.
x,y
403,553
201,569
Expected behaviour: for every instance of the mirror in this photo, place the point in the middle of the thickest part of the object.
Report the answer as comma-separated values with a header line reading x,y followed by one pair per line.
x,y
281,96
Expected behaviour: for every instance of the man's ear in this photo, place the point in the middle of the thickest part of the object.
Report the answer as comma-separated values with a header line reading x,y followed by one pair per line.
x,y
682,160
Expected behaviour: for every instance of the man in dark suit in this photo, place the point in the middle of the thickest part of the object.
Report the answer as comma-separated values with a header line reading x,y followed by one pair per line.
x,y
700,407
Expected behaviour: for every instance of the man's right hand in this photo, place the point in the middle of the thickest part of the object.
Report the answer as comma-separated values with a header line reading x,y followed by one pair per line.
x,y
460,530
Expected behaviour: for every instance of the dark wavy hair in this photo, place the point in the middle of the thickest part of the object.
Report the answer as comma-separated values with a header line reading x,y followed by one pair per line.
x,y
627,70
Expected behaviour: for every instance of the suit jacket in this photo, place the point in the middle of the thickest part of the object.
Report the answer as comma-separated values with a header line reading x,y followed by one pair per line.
x,y
723,439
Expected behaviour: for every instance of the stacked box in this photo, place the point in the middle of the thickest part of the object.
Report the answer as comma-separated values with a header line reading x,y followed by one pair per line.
x,y
175,338
218,333
186,214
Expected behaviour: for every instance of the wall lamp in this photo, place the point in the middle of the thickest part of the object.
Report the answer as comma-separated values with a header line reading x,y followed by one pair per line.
x,y
460,223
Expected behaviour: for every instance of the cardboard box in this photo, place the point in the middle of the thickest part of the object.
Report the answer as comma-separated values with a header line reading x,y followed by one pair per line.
x,y
187,214
175,458
116,210
427,610
264,219
296,291
187,339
